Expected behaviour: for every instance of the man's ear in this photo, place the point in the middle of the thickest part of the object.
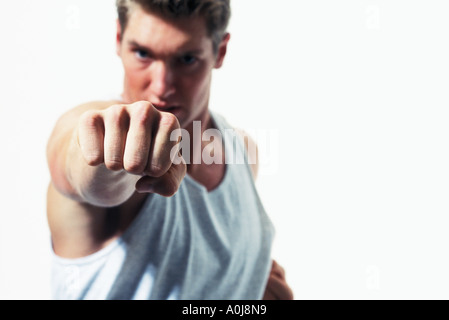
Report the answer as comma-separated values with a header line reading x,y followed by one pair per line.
x,y
222,49
118,44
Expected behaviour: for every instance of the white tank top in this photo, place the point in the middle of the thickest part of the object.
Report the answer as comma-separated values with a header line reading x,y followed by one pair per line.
x,y
197,245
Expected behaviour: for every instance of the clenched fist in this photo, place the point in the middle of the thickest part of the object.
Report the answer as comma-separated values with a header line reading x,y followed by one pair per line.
x,y
134,138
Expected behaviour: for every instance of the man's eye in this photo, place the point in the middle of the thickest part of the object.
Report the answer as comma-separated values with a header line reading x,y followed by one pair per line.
x,y
142,54
188,60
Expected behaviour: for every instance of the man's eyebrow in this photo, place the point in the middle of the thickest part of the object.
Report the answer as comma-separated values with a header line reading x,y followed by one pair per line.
x,y
135,44
195,52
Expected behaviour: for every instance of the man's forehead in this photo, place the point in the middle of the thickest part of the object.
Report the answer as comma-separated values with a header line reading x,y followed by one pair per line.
x,y
147,29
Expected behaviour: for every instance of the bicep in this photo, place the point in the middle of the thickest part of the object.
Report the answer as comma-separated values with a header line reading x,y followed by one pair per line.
x,y
72,225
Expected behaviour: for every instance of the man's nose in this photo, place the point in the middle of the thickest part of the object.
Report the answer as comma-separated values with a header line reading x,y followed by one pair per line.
x,y
162,77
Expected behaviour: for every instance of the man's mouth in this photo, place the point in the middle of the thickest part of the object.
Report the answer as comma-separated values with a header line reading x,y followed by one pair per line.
x,y
171,109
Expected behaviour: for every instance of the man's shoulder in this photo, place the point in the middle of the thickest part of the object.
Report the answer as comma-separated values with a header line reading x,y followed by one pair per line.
x,y
251,150
78,109
97,104
249,142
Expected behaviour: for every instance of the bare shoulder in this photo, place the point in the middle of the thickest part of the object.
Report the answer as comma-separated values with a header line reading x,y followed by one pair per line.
x,y
251,150
91,105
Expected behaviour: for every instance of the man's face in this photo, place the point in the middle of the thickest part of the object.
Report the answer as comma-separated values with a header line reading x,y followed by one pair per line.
x,y
169,63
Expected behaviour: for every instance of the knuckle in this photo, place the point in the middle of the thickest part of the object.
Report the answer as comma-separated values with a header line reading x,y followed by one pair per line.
x,y
93,160
156,170
117,113
143,114
134,166
114,164
116,109
142,104
90,118
169,120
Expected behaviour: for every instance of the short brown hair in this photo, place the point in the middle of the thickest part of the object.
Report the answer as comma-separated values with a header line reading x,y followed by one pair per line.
x,y
215,12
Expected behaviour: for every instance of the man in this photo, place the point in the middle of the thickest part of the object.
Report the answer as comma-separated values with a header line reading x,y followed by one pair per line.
x,y
128,219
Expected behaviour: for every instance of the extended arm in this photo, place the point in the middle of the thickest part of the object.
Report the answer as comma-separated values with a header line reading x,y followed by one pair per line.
x,y
106,155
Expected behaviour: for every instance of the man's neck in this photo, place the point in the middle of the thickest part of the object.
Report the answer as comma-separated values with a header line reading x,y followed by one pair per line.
x,y
195,129
209,175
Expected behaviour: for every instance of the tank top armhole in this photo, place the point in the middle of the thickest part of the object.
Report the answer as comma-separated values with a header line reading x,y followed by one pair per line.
x,y
94,257
223,124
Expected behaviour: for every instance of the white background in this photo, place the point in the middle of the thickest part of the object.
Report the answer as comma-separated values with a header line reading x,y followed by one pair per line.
x,y
357,91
